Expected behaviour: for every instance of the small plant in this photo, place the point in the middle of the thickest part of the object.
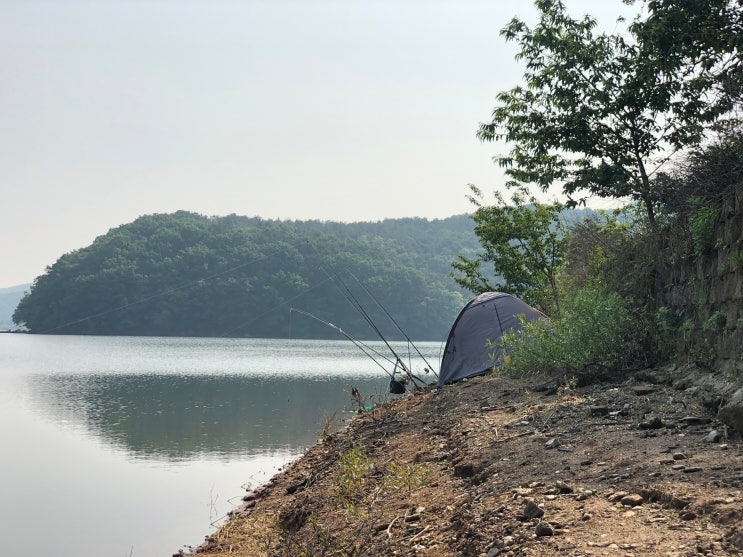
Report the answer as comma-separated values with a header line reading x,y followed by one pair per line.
x,y
351,482
406,476
327,426
567,388
702,224
265,534
715,323
321,537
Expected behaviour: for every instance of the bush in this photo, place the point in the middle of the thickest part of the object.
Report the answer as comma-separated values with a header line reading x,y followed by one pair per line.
x,y
595,336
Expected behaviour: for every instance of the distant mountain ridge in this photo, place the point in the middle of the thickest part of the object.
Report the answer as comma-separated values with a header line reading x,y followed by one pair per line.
x,y
9,298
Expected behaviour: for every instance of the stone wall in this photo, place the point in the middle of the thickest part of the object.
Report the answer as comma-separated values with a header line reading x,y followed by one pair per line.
x,y
708,290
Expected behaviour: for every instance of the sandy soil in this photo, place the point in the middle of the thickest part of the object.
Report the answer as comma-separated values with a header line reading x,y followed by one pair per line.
x,y
499,467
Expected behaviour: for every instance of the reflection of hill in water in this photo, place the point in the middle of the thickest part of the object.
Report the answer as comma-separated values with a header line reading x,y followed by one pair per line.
x,y
179,417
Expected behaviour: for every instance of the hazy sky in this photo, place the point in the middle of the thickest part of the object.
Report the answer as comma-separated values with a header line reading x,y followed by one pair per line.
x,y
311,109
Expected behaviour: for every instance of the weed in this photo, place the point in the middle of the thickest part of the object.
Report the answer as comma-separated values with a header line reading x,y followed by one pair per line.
x,y
327,426
351,482
406,476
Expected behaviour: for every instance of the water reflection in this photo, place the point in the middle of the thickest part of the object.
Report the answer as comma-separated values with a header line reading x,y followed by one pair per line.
x,y
182,417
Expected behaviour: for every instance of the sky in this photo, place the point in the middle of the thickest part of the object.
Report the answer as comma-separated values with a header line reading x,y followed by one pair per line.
x,y
344,110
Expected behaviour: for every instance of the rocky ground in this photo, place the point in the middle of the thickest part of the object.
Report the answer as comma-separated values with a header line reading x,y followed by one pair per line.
x,y
499,467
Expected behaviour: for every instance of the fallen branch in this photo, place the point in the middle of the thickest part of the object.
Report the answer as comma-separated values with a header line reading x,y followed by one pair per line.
x,y
389,528
420,533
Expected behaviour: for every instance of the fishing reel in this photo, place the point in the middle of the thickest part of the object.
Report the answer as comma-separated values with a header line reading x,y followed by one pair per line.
x,y
398,386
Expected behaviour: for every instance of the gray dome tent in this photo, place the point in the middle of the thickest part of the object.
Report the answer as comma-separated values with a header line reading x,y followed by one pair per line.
x,y
484,318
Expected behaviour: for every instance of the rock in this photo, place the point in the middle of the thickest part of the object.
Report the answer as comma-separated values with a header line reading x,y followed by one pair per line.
x,y
544,529
298,485
642,390
653,423
598,410
552,444
732,413
532,511
692,420
713,436
562,487
617,495
691,469
632,500
679,456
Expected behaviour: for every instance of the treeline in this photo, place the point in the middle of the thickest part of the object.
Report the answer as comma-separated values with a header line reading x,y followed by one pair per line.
x,y
186,274
650,113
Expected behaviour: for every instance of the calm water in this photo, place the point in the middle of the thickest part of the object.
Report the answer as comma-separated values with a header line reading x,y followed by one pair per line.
x,y
131,446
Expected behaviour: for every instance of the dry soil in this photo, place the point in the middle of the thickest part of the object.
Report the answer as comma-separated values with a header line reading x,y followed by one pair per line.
x,y
500,467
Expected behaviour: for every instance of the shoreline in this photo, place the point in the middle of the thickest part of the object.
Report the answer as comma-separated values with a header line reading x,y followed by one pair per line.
x,y
495,466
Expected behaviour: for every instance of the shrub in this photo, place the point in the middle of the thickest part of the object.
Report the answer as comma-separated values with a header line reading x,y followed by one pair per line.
x,y
351,483
595,335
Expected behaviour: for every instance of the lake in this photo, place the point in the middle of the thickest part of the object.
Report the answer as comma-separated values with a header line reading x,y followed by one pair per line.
x,y
139,446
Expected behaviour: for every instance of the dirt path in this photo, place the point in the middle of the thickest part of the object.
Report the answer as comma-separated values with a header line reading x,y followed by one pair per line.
x,y
495,467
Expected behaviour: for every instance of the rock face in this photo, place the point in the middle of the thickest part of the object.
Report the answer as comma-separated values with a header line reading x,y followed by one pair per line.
x,y
731,413
716,391
708,289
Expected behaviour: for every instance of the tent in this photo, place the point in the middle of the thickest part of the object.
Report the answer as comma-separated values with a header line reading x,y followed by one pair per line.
x,y
485,318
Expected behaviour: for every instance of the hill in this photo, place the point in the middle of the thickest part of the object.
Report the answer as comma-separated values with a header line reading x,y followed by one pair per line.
x,y
185,274
9,298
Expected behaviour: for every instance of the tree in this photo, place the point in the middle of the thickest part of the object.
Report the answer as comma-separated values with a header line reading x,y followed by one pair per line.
x,y
699,41
597,113
525,243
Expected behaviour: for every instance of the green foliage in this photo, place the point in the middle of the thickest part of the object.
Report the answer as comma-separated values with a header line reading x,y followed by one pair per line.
x,y
715,322
665,333
185,274
592,245
596,333
699,43
408,477
699,344
599,113
619,250
634,264
352,480
702,224
524,242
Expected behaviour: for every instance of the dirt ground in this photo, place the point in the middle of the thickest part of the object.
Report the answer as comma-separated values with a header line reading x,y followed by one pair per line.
x,y
500,467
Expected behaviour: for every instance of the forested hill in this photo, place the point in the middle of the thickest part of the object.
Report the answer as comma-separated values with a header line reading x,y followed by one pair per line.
x,y
185,274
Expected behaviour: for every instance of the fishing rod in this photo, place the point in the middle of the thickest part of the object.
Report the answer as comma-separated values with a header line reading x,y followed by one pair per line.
x,y
399,328
366,349
356,304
